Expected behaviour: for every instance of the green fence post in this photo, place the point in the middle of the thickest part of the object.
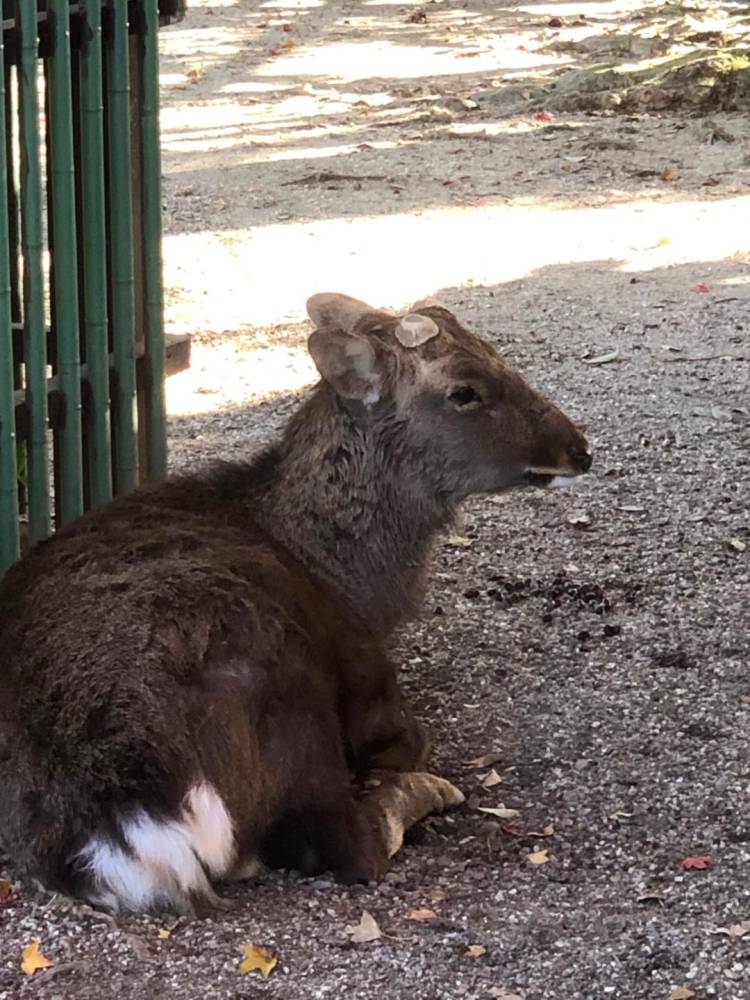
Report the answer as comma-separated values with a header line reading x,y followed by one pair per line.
x,y
121,251
35,346
94,238
8,471
65,321
152,259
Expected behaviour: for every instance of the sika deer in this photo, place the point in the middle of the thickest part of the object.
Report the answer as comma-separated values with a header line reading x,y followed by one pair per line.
x,y
193,678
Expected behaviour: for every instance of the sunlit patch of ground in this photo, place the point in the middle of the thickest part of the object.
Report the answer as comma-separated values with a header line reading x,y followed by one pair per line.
x,y
313,146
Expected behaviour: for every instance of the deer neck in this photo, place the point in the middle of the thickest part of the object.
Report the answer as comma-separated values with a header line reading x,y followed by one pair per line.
x,y
348,504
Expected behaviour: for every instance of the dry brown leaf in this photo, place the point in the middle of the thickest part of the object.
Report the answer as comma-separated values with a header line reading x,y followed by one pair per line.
x,y
486,760
681,993
420,915
32,959
734,930
366,930
604,359
501,812
667,174
490,779
258,958
546,831
475,951
163,933
539,857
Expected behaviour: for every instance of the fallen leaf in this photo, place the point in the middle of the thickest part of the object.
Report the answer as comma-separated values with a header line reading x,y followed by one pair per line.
x,y
650,897
501,812
681,993
8,895
734,930
737,544
663,242
421,915
701,288
460,541
32,959
258,959
512,829
490,779
579,519
366,930
696,861
542,116
539,857
486,760
475,951
163,933
547,831
667,174
603,359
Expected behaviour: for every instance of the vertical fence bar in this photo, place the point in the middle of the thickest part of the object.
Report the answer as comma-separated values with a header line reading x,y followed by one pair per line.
x,y
152,258
121,250
65,315
94,253
35,347
14,236
9,551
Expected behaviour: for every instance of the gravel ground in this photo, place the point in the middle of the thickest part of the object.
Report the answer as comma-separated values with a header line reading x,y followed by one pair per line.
x,y
595,644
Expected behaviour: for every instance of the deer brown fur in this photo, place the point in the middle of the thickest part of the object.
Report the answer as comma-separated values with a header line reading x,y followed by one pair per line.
x,y
193,678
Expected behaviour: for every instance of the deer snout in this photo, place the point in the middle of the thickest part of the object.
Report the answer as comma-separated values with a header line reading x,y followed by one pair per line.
x,y
582,458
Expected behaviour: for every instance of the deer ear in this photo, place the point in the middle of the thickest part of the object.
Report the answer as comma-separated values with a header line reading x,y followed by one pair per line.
x,y
339,311
348,364
414,330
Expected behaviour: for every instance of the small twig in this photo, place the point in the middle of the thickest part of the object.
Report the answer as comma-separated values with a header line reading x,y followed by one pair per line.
x,y
707,357
328,177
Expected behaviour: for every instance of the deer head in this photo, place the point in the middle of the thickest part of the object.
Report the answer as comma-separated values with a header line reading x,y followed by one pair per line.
x,y
473,423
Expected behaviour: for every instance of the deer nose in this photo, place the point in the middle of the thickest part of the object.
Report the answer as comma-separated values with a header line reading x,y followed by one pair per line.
x,y
582,457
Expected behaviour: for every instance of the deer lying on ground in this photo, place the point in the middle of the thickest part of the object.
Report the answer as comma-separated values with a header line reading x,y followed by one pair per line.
x,y
193,678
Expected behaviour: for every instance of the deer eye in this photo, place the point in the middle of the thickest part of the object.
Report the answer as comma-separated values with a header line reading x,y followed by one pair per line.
x,y
463,396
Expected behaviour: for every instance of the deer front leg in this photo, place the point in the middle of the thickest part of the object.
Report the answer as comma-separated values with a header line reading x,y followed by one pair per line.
x,y
395,802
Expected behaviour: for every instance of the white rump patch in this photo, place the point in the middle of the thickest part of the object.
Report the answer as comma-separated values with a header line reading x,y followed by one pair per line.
x,y
210,828
166,861
562,482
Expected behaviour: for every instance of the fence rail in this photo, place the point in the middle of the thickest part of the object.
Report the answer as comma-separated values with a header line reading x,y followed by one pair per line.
x,y
82,349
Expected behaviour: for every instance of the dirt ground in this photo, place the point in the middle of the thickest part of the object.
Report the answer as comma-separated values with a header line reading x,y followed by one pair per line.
x,y
595,643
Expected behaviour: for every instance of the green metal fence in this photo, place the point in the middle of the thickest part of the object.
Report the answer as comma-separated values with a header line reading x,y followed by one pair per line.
x,y
82,348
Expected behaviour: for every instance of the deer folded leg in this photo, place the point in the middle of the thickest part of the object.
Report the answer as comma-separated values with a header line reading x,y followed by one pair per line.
x,y
395,802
